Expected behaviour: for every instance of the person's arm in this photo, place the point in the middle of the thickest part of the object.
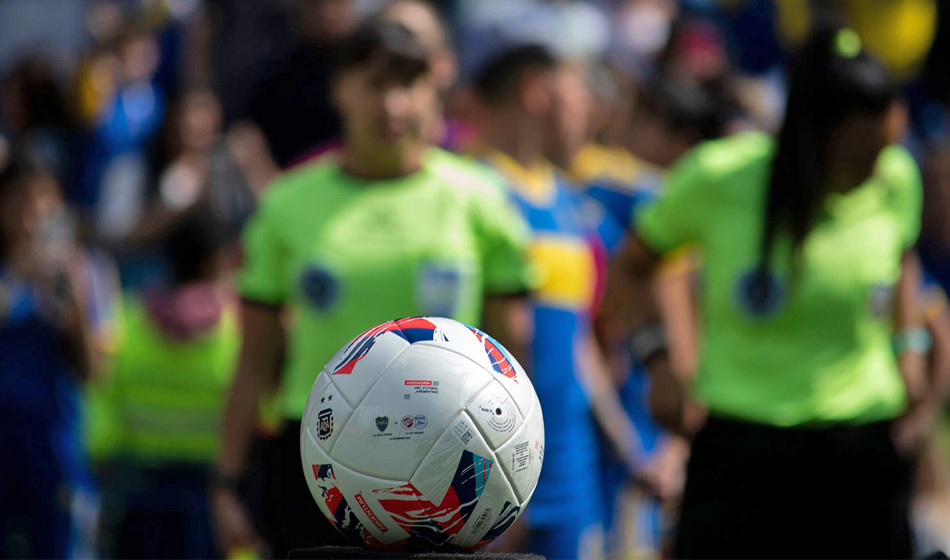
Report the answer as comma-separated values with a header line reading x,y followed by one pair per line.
x,y
938,324
675,290
607,407
67,297
262,282
910,430
257,364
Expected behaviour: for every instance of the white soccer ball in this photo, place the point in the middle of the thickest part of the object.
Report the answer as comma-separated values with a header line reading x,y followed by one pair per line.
x,y
422,433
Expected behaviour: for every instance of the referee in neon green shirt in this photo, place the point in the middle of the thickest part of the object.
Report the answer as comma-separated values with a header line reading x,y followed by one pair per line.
x,y
388,228
804,242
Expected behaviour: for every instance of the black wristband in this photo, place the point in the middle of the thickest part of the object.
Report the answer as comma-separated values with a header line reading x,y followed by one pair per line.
x,y
648,343
218,480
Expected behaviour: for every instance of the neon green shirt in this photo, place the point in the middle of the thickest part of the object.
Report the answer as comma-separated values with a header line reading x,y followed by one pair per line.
x,y
820,351
347,254
163,398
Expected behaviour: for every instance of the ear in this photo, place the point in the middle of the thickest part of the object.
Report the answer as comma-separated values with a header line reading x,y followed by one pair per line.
x,y
534,95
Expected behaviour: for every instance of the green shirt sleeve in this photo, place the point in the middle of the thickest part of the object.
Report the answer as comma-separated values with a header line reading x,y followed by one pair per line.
x,y
676,217
503,241
906,191
263,275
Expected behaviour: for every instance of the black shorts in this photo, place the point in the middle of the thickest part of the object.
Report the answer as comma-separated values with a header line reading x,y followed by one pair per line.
x,y
766,492
291,518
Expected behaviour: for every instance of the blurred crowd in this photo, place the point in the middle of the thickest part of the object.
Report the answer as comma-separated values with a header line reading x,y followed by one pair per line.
x,y
140,134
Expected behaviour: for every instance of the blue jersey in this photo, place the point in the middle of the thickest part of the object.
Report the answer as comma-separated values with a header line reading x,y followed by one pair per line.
x,y
561,251
44,480
36,382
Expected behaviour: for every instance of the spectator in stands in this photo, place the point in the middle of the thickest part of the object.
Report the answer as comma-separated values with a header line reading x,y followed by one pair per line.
x,y
49,305
154,427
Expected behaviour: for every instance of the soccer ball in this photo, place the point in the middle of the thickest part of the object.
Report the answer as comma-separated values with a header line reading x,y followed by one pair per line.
x,y
422,433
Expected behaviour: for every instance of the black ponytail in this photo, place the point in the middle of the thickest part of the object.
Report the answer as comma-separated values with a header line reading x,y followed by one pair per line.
x,y
831,77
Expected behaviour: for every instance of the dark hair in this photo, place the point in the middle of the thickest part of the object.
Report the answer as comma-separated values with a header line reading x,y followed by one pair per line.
x,y
499,76
832,77
405,56
684,105
15,176
42,101
198,237
435,11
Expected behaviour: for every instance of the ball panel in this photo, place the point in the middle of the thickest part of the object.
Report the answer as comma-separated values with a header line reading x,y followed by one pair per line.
x,y
403,414
319,386
327,413
495,413
493,518
521,457
358,365
458,337
435,474
322,481
435,506
487,352
421,329
381,527
477,487
346,498
520,388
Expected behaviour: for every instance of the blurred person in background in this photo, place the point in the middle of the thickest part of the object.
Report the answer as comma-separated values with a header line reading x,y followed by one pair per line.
x,y
667,118
35,115
390,228
115,164
52,314
618,182
206,166
154,417
291,103
531,104
806,244
196,126
603,155
671,116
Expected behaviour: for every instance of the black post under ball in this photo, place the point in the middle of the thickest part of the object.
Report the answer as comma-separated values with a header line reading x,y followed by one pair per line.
x,y
354,552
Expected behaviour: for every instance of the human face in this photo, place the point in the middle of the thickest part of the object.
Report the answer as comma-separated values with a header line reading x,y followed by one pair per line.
x,y
27,208
569,119
383,112
200,121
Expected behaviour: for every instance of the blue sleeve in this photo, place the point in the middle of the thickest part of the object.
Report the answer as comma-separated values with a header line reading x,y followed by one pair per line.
x,y
621,203
603,225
